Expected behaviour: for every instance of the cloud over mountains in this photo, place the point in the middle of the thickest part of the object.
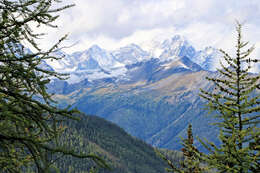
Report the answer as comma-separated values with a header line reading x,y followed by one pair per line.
x,y
115,23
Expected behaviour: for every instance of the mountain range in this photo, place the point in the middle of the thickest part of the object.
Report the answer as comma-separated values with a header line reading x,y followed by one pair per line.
x,y
153,94
97,63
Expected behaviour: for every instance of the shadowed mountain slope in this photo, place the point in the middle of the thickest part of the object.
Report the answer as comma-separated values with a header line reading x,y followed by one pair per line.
x,y
124,153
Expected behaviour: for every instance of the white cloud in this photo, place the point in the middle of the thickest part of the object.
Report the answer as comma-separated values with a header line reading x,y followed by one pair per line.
x,y
119,22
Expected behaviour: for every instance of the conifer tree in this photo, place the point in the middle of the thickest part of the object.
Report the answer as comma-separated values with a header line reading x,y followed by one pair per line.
x,y
29,123
236,102
191,162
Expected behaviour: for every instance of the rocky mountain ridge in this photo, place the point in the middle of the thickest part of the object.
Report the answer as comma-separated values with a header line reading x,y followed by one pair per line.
x,y
97,63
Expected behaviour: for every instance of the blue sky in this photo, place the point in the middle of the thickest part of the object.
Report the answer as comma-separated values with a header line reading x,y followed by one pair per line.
x,y
115,23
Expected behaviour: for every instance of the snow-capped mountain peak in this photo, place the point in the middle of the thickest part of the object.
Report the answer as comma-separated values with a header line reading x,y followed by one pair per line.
x,y
95,48
65,64
208,59
130,54
96,63
102,57
177,46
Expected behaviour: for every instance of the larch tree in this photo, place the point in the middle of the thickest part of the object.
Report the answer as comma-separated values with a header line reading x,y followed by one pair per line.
x,y
29,123
236,103
191,162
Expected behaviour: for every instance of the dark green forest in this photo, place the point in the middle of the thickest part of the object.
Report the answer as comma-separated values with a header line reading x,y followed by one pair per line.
x,y
122,152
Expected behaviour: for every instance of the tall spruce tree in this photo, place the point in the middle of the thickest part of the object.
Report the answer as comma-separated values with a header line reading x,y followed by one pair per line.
x,y
29,123
191,162
236,102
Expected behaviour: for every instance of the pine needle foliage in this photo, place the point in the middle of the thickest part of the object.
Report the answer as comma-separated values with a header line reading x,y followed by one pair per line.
x,y
236,101
191,162
29,123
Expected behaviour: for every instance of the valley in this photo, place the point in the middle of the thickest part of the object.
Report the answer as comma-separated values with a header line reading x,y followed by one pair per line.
x,y
153,99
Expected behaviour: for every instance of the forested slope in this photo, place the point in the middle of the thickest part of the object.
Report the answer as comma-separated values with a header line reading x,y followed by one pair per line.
x,y
124,153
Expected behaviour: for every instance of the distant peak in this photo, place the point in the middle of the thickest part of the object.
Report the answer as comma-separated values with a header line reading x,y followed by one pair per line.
x,y
176,37
95,48
133,45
